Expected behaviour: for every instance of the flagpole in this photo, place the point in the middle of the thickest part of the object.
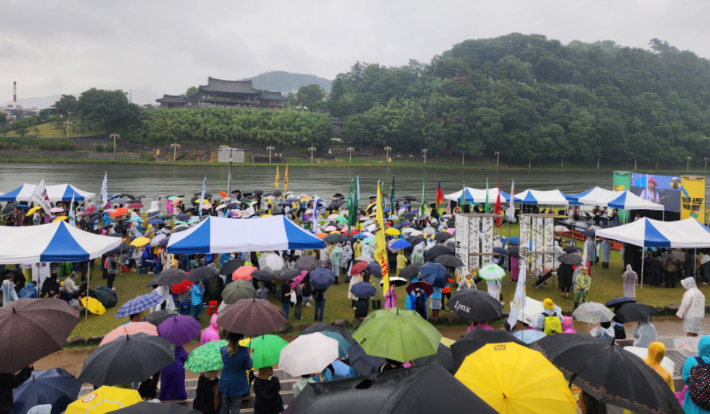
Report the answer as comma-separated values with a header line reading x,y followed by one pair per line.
x,y
88,285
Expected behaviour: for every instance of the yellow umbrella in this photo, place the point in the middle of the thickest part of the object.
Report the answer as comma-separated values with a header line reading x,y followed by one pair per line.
x,y
104,400
392,232
95,307
33,209
516,380
306,198
60,218
446,341
266,215
140,241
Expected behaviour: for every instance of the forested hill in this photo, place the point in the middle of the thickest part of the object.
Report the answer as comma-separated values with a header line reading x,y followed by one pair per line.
x,y
535,99
286,81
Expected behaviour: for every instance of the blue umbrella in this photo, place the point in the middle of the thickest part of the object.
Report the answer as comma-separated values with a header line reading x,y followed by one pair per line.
x,y
500,251
321,278
375,269
619,301
136,219
363,363
183,217
400,244
514,241
359,236
529,336
285,203
56,387
152,214
139,304
406,223
434,274
363,290
155,221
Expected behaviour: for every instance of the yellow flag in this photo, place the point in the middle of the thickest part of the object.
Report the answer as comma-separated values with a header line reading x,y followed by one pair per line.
x,y
285,179
276,183
380,242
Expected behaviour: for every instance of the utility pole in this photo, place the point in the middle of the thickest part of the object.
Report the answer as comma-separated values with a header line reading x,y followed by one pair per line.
x,y
350,150
706,163
387,152
497,158
563,162
114,136
229,174
311,149
67,124
270,149
598,159
175,147
634,163
463,155
424,151
687,167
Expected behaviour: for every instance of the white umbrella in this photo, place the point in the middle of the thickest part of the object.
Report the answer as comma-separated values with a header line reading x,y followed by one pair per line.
x,y
272,262
429,231
593,312
157,239
367,259
686,346
409,230
371,227
416,233
308,354
666,363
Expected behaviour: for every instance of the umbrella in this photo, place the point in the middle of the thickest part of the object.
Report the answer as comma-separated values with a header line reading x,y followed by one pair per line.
x,y
434,274
243,273
593,312
263,275
474,340
363,290
571,259
589,232
635,312
202,273
327,327
475,305
322,279
343,344
158,317
56,210
448,260
140,241
55,387
332,238
529,335
443,356
366,259
104,400
181,287
441,236
512,372
686,346
32,329
132,358
400,335
93,305
400,244
241,289
289,274
183,217
308,263
491,272
501,251
666,362
308,354
145,407
358,267
139,304
267,350
616,302
179,329
155,222
158,239
427,288
421,389
395,281
608,373
375,269
229,267
130,329
512,251
411,270
206,358
271,262
572,249
251,317
437,251
392,232
120,249
135,205
168,277
363,363
61,218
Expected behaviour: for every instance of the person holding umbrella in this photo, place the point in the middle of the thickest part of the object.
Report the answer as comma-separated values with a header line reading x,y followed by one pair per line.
x,y
233,384
581,287
564,275
354,280
286,293
9,382
417,300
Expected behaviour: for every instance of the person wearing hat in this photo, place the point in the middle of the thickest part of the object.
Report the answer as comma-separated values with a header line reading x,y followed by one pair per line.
x,y
650,193
581,287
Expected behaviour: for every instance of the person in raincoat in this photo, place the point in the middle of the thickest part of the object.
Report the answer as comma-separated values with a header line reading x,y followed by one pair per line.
x,y
9,294
401,261
172,378
211,333
559,251
368,250
335,261
346,258
581,287
591,250
656,353
606,253
467,283
354,281
550,310
564,275
357,248
418,253
692,308
703,353
417,302
567,327
631,279
645,333
391,298
379,296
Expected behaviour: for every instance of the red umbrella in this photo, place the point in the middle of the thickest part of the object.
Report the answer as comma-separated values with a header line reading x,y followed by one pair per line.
x,y
90,209
135,205
352,231
427,288
251,317
243,273
358,267
182,287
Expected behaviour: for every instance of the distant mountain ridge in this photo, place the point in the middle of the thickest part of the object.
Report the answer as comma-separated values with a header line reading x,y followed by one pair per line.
x,y
286,81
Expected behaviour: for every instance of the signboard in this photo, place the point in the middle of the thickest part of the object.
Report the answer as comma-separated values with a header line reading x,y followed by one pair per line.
x,y
659,189
622,181
692,198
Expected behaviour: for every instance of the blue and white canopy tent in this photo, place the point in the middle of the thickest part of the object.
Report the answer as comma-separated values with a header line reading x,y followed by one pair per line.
x,y
474,195
60,192
645,232
623,200
544,198
223,235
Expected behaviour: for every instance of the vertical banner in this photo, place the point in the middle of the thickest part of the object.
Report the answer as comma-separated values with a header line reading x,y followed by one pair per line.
x,y
524,231
380,243
536,237
549,244
474,242
462,225
486,240
622,181
692,198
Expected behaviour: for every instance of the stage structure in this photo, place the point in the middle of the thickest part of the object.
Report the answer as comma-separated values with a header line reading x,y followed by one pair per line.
x,y
537,241
474,240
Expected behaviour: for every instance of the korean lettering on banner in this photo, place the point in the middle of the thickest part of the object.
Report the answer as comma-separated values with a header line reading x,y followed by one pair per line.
x,y
474,242
486,240
549,244
524,232
692,197
462,224
536,236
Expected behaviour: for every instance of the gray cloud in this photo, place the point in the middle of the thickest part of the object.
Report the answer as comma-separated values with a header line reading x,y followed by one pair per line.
x,y
158,47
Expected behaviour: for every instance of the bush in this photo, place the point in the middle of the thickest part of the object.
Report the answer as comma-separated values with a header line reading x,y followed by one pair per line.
x,y
64,145
99,148
15,146
147,156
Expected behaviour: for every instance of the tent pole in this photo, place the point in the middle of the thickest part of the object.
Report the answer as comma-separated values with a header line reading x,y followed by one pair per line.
x,y
88,284
642,260
664,214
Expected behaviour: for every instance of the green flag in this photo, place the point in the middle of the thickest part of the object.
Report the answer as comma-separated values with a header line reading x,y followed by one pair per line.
x,y
352,208
422,207
486,207
462,201
392,197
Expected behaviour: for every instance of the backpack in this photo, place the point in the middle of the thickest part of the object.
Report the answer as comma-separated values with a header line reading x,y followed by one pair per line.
x,y
699,386
318,294
552,325
279,294
670,266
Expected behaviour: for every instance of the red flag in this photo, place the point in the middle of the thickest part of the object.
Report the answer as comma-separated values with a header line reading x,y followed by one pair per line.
x,y
440,201
498,205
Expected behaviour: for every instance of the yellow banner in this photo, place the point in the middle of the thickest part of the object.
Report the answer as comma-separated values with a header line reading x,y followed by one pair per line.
x,y
276,183
285,179
380,242
692,198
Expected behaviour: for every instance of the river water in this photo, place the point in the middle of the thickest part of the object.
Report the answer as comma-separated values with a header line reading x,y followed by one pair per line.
x,y
324,181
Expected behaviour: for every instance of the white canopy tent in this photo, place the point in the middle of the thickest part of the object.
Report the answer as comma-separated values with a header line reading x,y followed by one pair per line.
x,y
474,195
545,198
60,192
623,200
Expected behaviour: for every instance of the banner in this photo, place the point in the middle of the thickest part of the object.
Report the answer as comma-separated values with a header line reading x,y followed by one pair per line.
x,y
518,303
462,225
693,198
202,195
622,181
41,198
486,240
380,242
659,189
104,191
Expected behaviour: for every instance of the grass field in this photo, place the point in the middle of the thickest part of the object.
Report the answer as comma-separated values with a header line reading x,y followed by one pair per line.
x,y
47,130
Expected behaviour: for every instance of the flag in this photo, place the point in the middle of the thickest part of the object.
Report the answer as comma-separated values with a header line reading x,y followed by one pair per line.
x,y
352,208
422,207
104,191
381,243
392,197
486,207
202,196
357,188
519,299
72,212
440,201
462,200
285,178
41,198
511,204
276,183
315,211
498,205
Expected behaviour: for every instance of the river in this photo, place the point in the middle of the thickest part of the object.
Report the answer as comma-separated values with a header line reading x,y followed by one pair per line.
x,y
324,181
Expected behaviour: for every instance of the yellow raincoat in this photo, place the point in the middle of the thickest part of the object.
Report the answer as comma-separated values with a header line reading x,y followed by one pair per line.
x,y
656,352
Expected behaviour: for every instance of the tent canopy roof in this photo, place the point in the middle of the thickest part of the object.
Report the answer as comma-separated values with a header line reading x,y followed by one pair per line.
x,y
474,195
623,200
684,234
545,198
60,192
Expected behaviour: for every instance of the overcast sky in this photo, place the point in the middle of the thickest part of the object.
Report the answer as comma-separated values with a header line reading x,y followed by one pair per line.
x,y
155,47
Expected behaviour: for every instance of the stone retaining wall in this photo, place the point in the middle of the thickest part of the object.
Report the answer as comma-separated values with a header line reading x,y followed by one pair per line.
x,y
68,154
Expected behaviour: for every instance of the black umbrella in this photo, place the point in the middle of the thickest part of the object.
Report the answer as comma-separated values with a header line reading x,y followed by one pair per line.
x,y
258,191
475,305
571,259
289,274
448,260
443,356
308,263
437,251
130,358
9,208
144,407
442,235
363,363
333,205
589,232
572,249
232,265
395,281
635,312
411,270
158,317
123,247
332,238
168,277
475,340
375,269
55,387
198,193
410,198
501,251
408,215
277,193
202,273
425,389
322,278
263,275
608,373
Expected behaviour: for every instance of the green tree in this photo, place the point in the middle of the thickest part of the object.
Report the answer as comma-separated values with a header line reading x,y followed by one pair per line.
x,y
111,107
191,91
65,105
311,97
22,131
